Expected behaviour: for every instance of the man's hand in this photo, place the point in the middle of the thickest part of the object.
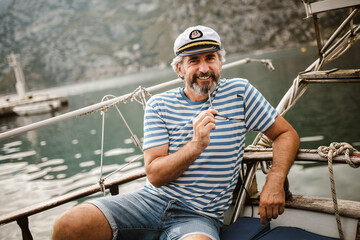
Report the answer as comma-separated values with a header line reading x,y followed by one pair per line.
x,y
202,126
272,201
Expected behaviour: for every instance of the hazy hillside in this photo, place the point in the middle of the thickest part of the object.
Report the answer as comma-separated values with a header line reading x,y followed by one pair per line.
x,y
68,41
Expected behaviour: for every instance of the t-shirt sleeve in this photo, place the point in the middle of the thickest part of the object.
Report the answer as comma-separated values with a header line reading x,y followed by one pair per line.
x,y
259,114
155,131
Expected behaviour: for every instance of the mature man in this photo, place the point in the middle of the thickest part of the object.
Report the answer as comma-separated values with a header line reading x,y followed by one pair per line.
x,y
193,145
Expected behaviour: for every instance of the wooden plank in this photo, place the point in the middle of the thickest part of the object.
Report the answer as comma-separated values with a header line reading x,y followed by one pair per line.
x,y
328,5
342,75
344,80
301,156
347,208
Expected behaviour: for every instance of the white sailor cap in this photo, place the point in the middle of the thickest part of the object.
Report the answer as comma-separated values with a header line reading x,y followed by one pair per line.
x,y
195,40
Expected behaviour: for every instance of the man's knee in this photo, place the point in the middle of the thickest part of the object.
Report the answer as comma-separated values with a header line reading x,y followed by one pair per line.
x,y
62,226
195,237
85,221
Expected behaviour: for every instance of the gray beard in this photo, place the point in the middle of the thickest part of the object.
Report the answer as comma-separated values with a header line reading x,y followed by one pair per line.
x,y
206,87
202,90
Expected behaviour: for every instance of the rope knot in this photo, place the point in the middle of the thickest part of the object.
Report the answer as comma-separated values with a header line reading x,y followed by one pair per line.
x,y
102,185
336,149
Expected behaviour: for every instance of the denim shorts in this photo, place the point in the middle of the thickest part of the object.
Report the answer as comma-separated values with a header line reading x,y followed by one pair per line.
x,y
143,215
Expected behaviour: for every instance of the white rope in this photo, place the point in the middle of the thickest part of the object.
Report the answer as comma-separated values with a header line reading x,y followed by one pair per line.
x,y
330,152
101,180
124,166
134,138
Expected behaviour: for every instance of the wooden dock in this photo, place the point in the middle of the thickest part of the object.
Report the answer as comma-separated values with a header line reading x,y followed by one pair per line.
x,y
28,103
31,104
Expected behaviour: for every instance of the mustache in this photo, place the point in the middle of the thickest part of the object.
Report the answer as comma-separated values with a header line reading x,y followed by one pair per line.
x,y
209,74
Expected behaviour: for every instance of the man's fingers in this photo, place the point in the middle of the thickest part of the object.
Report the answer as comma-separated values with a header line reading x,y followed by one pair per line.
x,y
262,213
205,118
202,126
208,120
209,112
275,212
270,211
212,111
281,209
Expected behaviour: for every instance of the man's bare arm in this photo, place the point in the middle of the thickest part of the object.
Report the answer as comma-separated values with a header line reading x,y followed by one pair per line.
x,y
285,146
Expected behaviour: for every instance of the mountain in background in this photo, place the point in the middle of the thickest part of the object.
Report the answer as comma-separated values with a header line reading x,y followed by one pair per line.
x,y
71,41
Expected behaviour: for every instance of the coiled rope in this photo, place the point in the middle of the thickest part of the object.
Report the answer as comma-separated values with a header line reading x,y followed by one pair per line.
x,y
330,152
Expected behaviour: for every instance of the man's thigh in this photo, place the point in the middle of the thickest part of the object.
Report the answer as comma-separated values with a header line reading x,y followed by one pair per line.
x,y
84,221
180,222
133,216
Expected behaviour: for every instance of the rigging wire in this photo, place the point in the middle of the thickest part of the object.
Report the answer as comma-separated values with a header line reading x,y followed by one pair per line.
x,y
134,138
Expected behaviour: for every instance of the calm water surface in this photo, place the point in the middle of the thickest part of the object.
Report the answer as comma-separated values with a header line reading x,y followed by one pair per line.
x,y
63,157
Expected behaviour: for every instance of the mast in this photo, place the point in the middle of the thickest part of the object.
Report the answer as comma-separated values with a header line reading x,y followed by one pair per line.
x,y
19,75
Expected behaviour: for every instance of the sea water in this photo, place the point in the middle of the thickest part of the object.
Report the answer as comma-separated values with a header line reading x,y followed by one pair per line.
x,y
57,159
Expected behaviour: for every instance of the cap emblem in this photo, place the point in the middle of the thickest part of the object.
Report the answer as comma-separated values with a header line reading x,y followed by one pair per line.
x,y
195,34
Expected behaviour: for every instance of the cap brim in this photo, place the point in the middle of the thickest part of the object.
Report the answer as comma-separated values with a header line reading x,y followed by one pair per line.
x,y
190,52
198,47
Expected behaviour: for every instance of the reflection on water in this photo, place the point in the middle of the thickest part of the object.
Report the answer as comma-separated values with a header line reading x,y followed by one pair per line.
x,y
60,158
311,139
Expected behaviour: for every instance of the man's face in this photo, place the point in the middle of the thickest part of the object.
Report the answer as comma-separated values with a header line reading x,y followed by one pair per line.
x,y
201,72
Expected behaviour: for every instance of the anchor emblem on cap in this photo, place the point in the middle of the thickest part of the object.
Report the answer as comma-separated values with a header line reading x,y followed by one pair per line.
x,y
195,34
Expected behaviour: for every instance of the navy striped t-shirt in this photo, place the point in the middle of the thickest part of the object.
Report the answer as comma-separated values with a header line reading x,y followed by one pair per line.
x,y
207,185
